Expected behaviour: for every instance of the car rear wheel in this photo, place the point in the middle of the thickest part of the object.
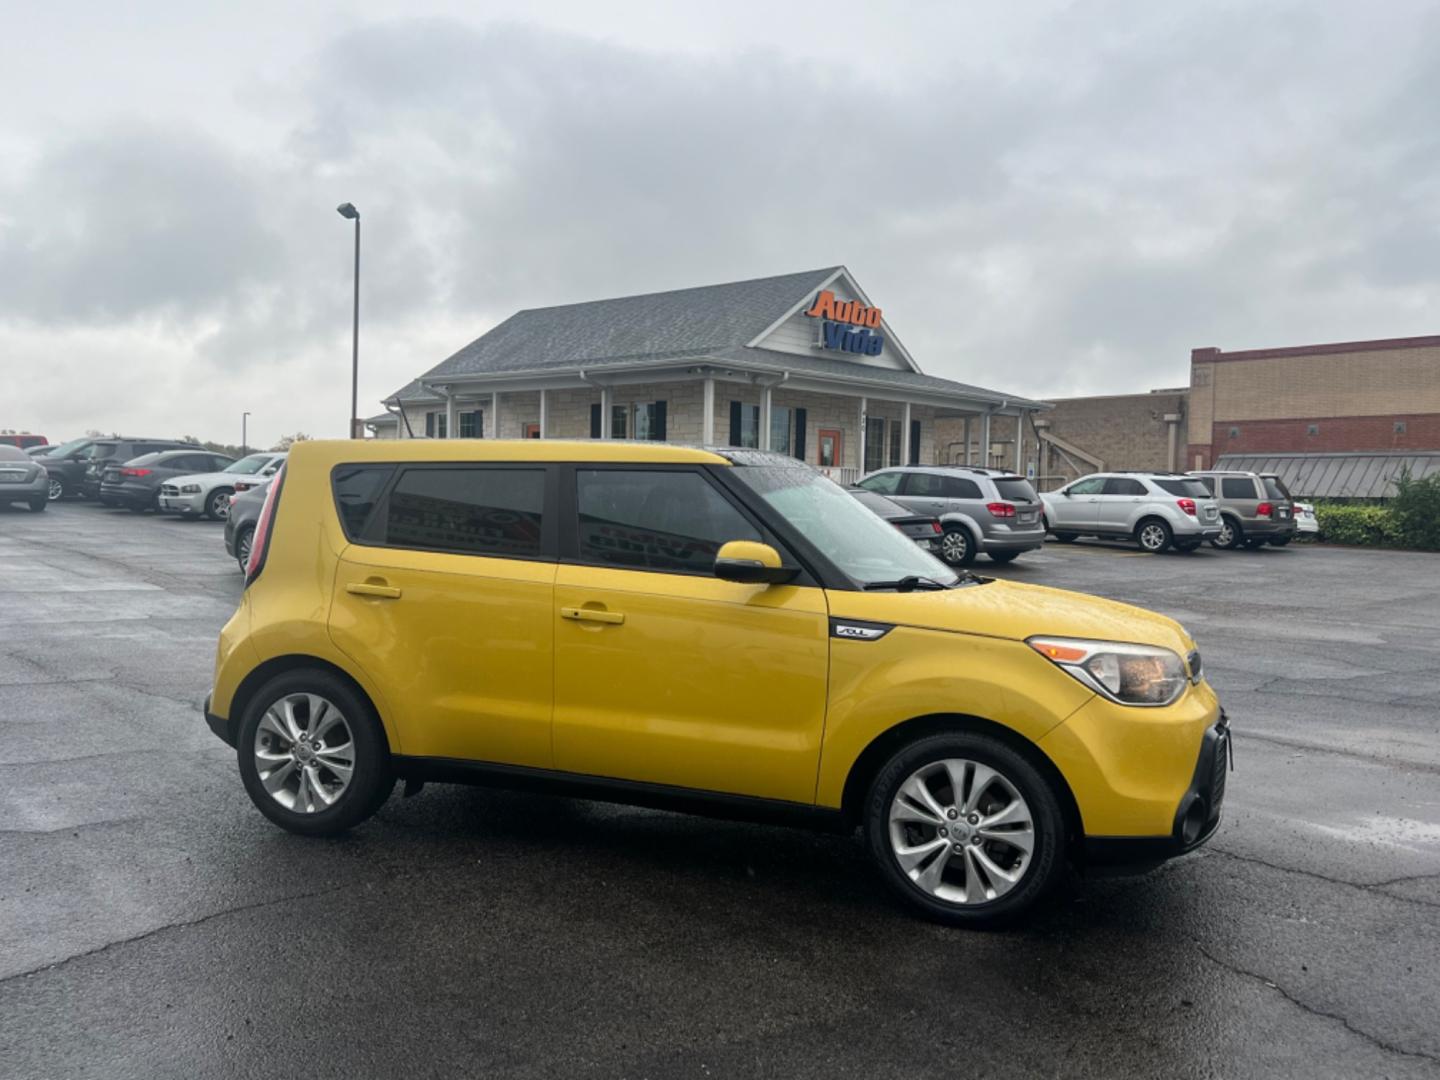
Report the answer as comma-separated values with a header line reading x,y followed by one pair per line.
x,y
217,506
56,490
312,754
1281,541
1004,556
965,829
1254,545
1231,533
956,547
1153,535
243,539
39,504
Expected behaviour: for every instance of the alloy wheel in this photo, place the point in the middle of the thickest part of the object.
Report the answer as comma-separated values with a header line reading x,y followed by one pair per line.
x,y
955,546
304,753
220,506
242,548
961,831
56,490
1227,533
1152,537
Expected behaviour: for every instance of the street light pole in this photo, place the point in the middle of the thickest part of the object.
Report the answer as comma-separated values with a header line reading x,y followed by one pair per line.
x,y
244,433
347,210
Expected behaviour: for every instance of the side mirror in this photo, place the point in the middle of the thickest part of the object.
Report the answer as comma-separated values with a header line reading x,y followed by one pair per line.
x,y
751,563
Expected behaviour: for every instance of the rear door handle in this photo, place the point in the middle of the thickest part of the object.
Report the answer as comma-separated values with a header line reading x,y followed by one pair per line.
x,y
614,618
382,592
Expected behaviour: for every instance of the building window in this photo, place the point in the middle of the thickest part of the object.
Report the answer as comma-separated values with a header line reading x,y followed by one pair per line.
x,y
874,443
638,420
1312,429
435,425
744,424
472,424
1234,433
895,436
1399,427
779,430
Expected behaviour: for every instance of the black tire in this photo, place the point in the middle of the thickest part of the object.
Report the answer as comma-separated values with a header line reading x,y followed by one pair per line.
x,y
1188,548
1255,545
957,546
37,505
1153,535
217,504
1231,534
1004,556
373,778
1280,541
1066,537
243,540
1040,877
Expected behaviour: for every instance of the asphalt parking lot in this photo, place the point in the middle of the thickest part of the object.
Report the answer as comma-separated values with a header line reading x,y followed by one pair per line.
x,y
153,924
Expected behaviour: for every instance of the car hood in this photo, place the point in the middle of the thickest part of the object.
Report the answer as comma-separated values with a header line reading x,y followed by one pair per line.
x,y
1006,609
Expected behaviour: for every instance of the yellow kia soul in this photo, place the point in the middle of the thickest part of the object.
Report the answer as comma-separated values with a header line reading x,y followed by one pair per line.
x,y
724,631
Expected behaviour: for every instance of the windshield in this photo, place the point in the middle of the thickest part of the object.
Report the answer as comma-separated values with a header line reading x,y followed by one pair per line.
x,y
247,466
1191,489
866,548
1274,488
66,449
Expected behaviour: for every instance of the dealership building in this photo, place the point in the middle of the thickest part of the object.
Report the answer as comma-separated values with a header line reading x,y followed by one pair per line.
x,y
803,364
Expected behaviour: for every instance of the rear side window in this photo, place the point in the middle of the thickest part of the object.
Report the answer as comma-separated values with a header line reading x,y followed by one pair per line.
x,y
1123,485
655,520
1190,489
467,509
1274,488
1016,489
356,489
885,483
1237,487
1208,482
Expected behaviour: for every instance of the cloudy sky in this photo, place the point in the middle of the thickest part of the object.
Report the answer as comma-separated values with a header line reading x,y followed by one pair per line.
x,y
1047,198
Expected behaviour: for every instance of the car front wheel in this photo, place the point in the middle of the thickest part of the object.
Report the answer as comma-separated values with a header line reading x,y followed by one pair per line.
x,y
56,490
965,829
312,754
1230,534
956,547
217,506
38,505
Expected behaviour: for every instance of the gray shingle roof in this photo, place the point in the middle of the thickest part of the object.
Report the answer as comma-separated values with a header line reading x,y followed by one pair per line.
x,y
1336,476
684,321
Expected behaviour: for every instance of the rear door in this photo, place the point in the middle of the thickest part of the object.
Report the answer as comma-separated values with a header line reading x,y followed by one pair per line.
x,y
666,674
445,595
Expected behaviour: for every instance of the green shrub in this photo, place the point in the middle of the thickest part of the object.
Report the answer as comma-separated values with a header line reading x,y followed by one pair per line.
x,y
1416,509
1367,525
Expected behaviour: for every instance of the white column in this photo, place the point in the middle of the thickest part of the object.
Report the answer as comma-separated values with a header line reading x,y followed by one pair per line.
x,y
765,397
968,460
544,414
605,412
985,441
452,416
860,460
495,412
707,420
905,438
1020,443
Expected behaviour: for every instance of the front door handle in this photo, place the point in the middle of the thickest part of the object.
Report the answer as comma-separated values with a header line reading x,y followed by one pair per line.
x,y
579,614
382,592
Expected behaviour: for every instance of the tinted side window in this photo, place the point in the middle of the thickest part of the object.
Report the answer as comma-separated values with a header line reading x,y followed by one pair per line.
x,y
356,489
1237,487
1123,485
671,521
467,509
885,483
1091,485
1193,489
1209,482
1274,488
957,487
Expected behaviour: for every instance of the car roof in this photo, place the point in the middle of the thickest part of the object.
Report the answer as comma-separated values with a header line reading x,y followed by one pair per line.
x,y
335,451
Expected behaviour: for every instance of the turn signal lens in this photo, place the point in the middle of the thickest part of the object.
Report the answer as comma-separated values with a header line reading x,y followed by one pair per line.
x,y
1187,505
1264,510
134,472
935,527
1125,673
1000,509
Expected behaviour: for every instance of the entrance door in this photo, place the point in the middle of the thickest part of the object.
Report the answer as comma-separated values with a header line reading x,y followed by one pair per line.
x,y
445,596
831,448
663,672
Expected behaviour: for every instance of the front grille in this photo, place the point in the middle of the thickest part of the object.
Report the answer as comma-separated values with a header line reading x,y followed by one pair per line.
x,y
169,489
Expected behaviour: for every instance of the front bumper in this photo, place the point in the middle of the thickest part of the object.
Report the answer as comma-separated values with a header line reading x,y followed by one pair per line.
x,y
185,503
1196,818
222,728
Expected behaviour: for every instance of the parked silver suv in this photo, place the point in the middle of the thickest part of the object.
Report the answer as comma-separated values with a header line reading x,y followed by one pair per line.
x,y
1255,509
1155,509
981,510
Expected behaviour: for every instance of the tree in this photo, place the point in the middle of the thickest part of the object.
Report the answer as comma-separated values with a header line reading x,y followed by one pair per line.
x,y
287,441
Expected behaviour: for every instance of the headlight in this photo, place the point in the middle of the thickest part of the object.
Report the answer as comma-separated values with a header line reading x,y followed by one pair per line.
x,y
1128,674
191,489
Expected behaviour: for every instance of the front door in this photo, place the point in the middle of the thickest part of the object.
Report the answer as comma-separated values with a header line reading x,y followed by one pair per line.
x,y
831,449
1076,507
445,596
664,673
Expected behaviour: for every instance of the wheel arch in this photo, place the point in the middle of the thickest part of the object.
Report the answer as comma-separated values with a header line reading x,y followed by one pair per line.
x,y
1151,516
870,761
280,665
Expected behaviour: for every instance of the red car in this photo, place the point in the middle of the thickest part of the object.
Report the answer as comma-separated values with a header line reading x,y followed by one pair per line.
x,y
24,442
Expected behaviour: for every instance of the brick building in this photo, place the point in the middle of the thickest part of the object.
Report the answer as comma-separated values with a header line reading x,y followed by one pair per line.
x,y
1347,397
803,364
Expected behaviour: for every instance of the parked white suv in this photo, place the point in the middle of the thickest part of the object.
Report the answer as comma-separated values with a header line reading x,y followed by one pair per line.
x,y
209,493
1157,510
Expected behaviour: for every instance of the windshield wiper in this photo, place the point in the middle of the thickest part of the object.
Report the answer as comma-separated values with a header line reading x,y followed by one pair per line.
x,y
909,583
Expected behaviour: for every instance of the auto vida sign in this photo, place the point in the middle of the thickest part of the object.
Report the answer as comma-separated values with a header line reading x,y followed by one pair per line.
x,y
847,325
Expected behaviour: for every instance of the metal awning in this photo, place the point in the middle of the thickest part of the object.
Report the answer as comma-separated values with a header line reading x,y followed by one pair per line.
x,y
1337,476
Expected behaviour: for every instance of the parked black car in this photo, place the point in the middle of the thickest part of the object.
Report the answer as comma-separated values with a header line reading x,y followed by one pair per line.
x,y
245,507
136,483
109,452
66,465
922,528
